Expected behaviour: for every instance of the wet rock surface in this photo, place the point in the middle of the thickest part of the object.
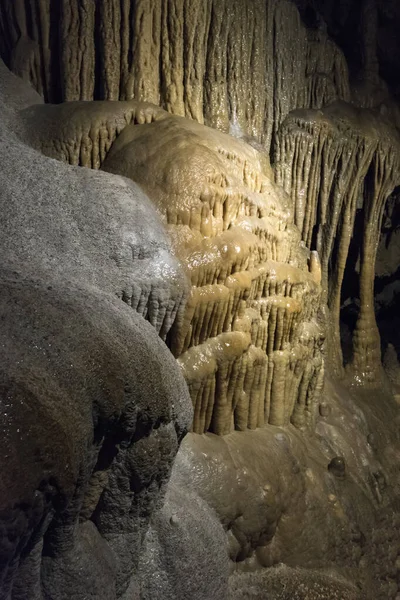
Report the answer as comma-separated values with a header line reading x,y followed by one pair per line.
x,y
127,223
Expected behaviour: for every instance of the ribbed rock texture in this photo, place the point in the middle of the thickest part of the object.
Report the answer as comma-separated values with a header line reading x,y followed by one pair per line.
x,y
228,64
334,162
249,341
238,250
223,62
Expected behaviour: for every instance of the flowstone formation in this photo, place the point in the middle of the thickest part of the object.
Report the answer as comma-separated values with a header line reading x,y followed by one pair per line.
x,y
229,65
221,171
249,342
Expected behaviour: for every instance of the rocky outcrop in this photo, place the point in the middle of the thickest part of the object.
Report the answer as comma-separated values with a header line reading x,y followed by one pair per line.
x,y
93,405
249,341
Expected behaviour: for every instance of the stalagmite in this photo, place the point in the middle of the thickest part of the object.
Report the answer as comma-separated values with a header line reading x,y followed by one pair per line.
x,y
384,176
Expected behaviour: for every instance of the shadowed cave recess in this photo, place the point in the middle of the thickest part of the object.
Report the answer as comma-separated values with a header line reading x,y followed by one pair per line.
x,y
199,308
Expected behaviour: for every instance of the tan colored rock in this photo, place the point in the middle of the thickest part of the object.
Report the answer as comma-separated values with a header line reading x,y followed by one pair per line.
x,y
248,342
333,162
222,62
248,345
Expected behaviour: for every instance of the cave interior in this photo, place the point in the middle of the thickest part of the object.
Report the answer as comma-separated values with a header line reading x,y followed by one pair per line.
x,y
200,296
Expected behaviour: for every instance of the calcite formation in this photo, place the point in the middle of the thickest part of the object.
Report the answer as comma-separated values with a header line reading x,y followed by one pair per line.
x,y
249,342
334,162
205,61
222,170
226,63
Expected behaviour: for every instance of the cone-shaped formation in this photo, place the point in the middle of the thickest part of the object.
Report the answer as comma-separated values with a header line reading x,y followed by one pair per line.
x,y
227,63
333,162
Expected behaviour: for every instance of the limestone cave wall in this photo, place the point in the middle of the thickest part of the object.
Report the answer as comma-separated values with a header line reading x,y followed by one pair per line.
x,y
272,76
249,340
238,65
227,171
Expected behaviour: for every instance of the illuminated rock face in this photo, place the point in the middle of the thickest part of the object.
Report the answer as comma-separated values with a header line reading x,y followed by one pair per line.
x,y
334,162
79,415
227,63
238,266
248,342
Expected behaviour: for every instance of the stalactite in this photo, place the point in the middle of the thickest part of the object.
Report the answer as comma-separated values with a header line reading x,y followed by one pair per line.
x,y
77,49
369,27
327,161
289,75
327,78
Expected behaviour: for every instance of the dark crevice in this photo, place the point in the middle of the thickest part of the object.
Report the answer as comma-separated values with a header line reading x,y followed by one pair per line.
x,y
206,83
350,292
48,499
54,93
98,55
5,42
385,280
29,23
131,20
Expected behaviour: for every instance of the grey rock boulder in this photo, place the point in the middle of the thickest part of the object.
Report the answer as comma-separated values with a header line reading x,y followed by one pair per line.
x,y
92,404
